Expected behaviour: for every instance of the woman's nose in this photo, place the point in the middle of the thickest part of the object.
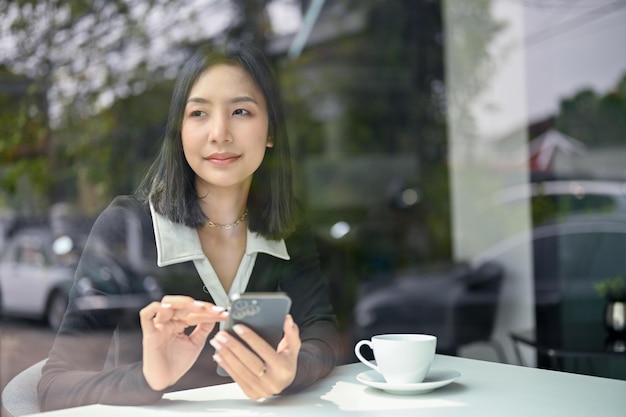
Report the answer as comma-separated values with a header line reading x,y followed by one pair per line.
x,y
219,129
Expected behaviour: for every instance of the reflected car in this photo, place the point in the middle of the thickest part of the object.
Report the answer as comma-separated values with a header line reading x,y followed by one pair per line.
x,y
553,199
37,273
569,255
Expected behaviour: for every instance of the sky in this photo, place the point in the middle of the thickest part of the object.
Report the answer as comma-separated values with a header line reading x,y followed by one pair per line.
x,y
571,45
549,51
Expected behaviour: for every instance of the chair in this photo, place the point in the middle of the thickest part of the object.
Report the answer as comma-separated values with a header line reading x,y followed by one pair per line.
x,y
457,304
19,397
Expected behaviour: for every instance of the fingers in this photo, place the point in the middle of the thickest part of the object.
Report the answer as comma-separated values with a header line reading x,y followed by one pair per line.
x,y
252,376
240,358
266,372
148,314
256,342
201,333
190,310
205,313
183,309
244,366
291,340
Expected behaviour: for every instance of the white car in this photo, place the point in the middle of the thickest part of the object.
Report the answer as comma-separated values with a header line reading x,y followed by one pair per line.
x,y
37,272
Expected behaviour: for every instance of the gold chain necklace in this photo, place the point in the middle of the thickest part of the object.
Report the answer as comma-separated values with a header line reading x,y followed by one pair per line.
x,y
228,225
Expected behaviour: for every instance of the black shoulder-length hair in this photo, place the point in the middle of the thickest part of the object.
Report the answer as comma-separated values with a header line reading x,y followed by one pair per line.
x,y
169,183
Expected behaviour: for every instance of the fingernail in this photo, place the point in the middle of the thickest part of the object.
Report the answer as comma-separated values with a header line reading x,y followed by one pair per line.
x,y
238,329
217,358
198,303
215,344
217,308
166,305
221,338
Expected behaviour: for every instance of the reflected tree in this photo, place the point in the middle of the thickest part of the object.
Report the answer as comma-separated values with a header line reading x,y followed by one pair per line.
x,y
593,118
102,70
24,139
382,92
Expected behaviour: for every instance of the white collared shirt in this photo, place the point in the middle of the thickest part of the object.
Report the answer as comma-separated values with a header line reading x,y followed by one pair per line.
x,y
177,243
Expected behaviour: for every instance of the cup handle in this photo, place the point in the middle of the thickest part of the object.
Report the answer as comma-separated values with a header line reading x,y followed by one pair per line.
x,y
357,352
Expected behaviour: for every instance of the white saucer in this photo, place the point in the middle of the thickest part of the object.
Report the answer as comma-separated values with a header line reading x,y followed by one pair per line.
x,y
436,378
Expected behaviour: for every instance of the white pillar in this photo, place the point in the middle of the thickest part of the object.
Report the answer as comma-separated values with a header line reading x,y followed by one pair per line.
x,y
487,103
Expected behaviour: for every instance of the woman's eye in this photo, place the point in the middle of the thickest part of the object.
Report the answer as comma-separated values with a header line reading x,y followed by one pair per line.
x,y
196,113
241,112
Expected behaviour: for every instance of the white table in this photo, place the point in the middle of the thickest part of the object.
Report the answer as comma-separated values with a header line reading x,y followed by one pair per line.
x,y
484,389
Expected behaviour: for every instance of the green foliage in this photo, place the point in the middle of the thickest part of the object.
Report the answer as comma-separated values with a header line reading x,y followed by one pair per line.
x,y
387,84
470,28
612,289
24,136
594,119
113,149
35,168
91,66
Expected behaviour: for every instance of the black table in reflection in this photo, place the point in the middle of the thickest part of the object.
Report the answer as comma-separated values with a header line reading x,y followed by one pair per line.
x,y
581,343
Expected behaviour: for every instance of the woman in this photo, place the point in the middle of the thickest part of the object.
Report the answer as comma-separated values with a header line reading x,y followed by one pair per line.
x,y
216,211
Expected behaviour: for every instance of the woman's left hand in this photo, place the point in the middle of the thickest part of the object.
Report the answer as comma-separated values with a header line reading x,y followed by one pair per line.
x,y
266,373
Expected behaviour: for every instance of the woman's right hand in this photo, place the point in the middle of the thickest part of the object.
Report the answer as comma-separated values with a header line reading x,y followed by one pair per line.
x,y
168,353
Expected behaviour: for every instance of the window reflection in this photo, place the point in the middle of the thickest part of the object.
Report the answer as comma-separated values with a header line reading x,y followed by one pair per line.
x,y
428,137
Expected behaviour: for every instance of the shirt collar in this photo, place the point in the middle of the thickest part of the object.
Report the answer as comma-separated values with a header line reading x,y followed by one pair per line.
x,y
177,243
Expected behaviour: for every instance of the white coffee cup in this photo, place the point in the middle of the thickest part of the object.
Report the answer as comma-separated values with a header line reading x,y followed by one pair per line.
x,y
400,358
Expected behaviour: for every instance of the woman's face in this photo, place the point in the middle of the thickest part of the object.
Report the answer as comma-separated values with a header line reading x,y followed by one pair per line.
x,y
225,128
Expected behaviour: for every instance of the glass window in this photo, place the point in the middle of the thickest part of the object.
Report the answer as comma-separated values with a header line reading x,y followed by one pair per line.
x,y
461,162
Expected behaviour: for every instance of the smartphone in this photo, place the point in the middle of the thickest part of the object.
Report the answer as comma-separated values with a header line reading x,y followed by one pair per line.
x,y
263,312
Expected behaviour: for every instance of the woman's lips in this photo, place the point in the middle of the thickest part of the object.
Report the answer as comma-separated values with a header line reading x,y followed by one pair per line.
x,y
222,158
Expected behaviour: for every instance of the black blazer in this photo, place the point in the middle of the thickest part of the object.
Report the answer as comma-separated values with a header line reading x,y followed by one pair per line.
x,y
96,358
